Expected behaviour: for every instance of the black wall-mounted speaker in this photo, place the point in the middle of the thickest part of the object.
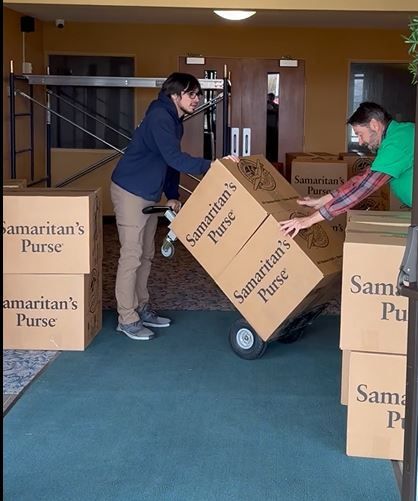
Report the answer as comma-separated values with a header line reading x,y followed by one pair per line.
x,y
27,24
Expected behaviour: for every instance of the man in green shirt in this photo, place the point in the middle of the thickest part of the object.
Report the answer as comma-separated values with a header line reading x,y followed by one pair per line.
x,y
393,143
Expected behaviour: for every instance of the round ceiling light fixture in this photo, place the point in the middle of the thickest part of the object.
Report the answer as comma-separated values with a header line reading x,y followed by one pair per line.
x,y
235,15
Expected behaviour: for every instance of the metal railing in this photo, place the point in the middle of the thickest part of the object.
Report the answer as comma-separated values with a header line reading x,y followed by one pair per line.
x,y
222,85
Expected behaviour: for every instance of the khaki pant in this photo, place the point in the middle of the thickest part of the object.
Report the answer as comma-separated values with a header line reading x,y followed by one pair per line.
x,y
136,236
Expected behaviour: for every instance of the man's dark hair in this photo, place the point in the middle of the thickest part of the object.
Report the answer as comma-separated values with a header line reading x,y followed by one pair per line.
x,y
177,83
366,112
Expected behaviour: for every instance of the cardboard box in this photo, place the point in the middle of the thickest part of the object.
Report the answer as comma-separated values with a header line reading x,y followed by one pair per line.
x,y
227,207
376,405
230,225
315,179
385,218
52,231
9,184
374,317
302,155
51,312
272,275
345,365
356,163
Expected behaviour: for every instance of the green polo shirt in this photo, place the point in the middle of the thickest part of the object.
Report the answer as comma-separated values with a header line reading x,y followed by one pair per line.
x,y
395,157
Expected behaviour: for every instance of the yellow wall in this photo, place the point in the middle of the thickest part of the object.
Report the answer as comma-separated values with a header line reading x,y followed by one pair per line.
x,y
327,53
13,50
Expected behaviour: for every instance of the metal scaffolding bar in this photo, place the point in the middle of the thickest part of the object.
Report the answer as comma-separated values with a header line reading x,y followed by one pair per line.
x,y
12,111
69,121
86,113
72,80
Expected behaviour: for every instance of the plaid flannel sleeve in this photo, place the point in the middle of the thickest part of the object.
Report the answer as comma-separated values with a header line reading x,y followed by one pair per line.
x,y
352,192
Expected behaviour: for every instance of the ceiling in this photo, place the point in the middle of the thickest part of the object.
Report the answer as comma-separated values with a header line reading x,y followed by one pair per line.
x,y
197,16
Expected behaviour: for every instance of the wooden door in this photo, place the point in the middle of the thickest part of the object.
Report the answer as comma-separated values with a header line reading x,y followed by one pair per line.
x,y
289,101
248,108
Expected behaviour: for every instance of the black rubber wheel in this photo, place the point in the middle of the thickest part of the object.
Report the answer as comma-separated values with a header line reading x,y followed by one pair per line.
x,y
245,342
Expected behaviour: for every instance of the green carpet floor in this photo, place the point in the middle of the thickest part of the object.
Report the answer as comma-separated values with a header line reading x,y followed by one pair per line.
x,y
183,418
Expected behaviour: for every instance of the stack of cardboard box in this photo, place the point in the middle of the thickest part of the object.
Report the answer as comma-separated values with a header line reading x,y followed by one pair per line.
x,y
230,225
316,175
374,322
52,260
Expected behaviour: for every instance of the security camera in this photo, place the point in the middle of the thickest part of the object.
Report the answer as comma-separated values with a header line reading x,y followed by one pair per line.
x,y
59,23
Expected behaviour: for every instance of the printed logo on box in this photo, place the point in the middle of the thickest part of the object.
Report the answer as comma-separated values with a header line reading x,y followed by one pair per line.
x,y
29,316
27,245
323,181
395,418
257,175
360,165
203,228
266,268
389,311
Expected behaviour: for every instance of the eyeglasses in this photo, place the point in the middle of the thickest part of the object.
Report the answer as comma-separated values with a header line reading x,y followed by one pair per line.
x,y
193,95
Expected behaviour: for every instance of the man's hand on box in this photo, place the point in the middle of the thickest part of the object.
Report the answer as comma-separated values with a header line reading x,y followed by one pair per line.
x,y
292,227
175,205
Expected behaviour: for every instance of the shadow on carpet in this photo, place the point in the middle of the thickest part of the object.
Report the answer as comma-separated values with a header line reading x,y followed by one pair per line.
x,y
183,418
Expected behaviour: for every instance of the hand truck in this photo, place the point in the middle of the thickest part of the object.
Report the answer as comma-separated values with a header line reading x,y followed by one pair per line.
x,y
244,340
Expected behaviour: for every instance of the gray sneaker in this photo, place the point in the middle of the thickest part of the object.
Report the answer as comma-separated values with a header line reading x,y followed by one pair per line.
x,y
150,318
136,331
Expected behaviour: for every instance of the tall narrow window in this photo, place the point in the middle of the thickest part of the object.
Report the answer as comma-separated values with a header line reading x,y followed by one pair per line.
x,y
388,84
209,141
113,106
272,117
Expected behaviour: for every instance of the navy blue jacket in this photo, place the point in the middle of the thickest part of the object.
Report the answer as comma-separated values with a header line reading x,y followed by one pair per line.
x,y
153,159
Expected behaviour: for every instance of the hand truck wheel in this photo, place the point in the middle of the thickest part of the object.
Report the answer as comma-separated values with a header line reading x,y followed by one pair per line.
x,y
245,342
167,249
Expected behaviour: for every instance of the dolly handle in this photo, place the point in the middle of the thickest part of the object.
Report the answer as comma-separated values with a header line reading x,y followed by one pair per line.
x,y
155,209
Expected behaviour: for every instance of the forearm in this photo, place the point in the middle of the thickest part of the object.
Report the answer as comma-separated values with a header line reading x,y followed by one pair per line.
x,y
325,199
354,193
316,217
351,183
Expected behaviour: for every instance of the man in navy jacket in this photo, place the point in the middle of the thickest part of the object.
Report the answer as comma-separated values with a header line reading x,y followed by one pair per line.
x,y
150,167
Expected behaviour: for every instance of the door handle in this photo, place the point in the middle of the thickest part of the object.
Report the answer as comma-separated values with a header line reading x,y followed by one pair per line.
x,y
246,141
235,141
